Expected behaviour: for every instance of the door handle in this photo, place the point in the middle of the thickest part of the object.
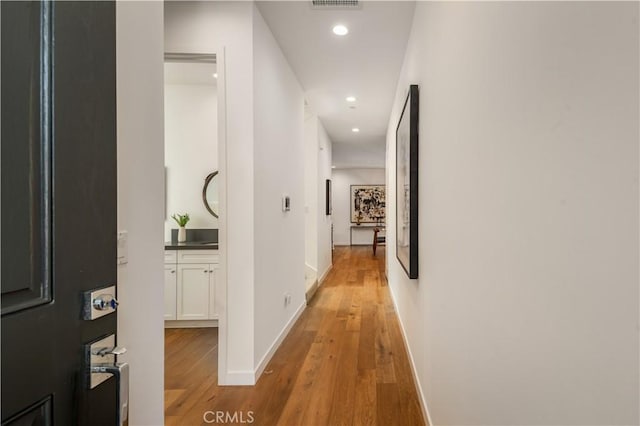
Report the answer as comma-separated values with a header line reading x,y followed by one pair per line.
x,y
120,371
101,364
108,351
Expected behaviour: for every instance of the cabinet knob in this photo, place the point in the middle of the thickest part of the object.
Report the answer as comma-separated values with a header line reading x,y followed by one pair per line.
x,y
173,271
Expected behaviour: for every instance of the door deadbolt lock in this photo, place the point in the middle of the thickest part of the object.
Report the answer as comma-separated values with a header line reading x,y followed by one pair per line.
x,y
105,302
98,303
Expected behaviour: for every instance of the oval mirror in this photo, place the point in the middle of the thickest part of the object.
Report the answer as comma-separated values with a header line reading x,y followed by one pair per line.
x,y
210,193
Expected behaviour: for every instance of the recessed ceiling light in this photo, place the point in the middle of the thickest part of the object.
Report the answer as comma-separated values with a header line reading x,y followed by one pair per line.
x,y
340,30
351,98
215,75
355,130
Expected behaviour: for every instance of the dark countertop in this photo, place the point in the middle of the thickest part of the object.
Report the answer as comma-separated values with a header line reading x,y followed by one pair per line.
x,y
197,239
191,245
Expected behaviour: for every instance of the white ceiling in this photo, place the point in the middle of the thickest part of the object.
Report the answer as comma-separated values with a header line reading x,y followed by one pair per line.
x,y
365,63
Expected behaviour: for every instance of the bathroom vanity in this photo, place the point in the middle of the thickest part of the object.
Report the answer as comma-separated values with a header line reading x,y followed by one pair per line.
x,y
190,279
191,268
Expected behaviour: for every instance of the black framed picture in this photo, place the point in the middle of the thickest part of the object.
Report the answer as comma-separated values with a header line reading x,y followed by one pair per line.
x,y
407,184
328,207
368,203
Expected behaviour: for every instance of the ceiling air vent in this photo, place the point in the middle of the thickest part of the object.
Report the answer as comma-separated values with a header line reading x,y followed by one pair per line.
x,y
335,4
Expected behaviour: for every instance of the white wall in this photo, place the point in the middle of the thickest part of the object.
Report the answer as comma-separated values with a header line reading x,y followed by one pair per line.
x,y
191,151
262,248
141,204
526,309
279,154
318,155
366,155
216,27
324,250
311,192
342,181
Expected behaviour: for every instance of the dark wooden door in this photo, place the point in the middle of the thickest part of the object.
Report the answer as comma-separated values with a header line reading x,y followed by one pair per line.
x,y
58,211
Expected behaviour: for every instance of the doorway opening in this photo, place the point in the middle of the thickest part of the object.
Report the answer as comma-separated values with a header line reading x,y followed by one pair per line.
x,y
193,287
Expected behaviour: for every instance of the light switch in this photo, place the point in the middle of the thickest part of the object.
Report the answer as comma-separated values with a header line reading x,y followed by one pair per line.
x,y
123,248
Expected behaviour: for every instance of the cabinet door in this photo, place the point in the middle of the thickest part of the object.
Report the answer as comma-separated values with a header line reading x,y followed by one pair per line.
x,y
213,279
193,292
170,292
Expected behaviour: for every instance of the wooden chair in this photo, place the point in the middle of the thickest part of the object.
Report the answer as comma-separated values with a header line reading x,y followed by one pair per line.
x,y
378,239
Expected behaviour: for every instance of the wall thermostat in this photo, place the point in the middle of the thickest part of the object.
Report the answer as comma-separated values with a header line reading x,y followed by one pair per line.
x,y
286,203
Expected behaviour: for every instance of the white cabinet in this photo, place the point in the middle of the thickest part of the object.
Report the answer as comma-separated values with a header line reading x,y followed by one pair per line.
x,y
197,256
194,285
213,282
170,289
193,291
170,256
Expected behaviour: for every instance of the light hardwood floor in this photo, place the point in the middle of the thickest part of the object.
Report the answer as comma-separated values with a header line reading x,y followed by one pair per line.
x,y
343,363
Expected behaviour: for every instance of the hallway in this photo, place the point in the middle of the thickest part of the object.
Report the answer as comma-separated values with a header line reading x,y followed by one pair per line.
x,y
343,363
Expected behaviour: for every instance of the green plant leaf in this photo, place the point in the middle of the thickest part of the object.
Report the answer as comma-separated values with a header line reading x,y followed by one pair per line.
x,y
181,219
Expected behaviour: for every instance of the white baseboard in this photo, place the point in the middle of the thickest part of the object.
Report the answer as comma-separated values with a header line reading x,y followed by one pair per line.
x,y
190,323
316,285
311,291
276,344
240,378
423,400
315,271
324,274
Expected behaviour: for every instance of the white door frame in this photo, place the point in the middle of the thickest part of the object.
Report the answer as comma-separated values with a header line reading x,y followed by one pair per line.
x,y
221,285
221,288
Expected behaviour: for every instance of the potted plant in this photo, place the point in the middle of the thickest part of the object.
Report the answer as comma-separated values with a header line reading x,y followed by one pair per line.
x,y
181,220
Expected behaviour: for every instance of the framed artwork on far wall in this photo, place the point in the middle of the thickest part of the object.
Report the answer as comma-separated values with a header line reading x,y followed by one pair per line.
x,y
368,203
328,206
407,184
